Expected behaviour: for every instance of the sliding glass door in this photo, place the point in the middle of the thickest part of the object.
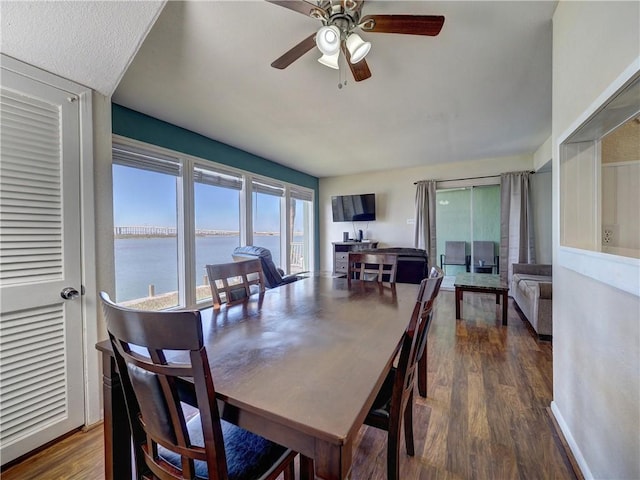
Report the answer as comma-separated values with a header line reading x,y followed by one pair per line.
x,y
469,215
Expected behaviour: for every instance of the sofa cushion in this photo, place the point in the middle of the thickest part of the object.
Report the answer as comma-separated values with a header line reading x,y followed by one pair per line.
x,y
529,288
517,277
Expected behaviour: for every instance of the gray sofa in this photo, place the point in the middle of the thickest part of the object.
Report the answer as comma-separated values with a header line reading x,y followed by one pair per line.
x,y
531,288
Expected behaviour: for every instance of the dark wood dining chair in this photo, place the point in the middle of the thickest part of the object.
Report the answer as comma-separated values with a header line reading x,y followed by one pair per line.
x,y
157,353
235,281
431,294
380,267
394,402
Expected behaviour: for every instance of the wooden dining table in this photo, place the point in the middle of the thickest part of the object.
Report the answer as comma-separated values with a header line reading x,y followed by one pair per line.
x,y
300,365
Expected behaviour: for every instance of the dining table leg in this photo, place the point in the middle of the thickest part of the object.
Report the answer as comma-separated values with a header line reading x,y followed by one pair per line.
x,y
307,470
332,462
458,301
117,434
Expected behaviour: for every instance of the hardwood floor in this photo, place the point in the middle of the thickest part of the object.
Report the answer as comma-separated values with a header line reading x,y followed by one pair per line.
x,y
485,416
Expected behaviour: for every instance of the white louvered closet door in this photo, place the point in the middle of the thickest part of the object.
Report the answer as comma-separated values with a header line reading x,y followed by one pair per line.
x,y
41,363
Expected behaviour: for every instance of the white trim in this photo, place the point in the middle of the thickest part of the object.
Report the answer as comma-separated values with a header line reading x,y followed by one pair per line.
x,y
617,84
92,367
573,446
614,270
620,164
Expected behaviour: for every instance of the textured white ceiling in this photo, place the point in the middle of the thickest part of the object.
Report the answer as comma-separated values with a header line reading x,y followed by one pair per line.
x,y
91,43
480,89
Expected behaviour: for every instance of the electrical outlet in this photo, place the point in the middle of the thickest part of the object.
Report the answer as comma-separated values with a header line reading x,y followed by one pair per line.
x,y
608,235
411,221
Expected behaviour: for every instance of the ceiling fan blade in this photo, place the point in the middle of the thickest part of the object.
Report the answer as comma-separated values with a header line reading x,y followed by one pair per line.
x,y
359,70
295,53
302,6
407,24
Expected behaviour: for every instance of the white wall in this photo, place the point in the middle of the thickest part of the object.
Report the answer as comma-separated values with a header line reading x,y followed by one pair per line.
x,y
543,155
596,328
395,196
541,190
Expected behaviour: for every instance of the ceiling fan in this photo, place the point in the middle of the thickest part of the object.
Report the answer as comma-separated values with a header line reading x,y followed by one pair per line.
x,y
340,19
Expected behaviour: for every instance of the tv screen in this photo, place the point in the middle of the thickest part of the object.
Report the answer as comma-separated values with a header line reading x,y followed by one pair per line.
x,y
354,208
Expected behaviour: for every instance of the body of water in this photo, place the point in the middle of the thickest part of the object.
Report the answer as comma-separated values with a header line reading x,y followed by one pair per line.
x,y
143,261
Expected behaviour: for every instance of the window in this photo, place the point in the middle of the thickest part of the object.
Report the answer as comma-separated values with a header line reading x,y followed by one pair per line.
x,y
266,199
216,207
174,213
145,216
468,214
301,232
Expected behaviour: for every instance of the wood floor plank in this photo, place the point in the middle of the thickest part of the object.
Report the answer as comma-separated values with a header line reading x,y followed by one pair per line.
x,y
486,415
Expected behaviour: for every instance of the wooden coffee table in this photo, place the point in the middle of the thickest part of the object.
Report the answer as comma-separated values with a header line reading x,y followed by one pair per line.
x,y
482,283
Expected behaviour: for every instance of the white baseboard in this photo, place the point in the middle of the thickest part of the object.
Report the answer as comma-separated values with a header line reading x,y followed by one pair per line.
x,y
577,454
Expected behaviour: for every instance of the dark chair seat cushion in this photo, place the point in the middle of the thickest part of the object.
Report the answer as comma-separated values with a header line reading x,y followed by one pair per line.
x,y
249,456
381,408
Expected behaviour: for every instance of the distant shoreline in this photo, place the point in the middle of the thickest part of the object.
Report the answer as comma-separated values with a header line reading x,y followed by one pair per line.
x,y
217,234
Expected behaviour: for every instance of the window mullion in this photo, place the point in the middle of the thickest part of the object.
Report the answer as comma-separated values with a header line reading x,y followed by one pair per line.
x,y
246,212
186,238
285,227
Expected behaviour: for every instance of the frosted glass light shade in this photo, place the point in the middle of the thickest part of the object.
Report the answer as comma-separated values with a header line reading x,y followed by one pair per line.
x,y
328,39
330,61
357,47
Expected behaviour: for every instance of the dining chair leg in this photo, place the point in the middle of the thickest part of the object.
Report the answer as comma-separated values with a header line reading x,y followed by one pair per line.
x,y
290,472
422,373
408,426
393,452
307,469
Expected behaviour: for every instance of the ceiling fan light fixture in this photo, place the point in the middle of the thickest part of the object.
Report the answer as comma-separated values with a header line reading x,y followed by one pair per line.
x,y
328,40
357,47
330,61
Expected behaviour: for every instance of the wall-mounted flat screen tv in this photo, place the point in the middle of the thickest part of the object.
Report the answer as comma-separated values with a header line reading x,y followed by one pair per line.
x,y
354,208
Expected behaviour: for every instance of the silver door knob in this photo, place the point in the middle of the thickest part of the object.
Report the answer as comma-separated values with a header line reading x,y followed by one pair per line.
x,y
69,293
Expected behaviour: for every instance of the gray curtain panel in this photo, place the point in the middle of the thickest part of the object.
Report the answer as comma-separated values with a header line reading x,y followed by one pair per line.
x,y
516,223
425,226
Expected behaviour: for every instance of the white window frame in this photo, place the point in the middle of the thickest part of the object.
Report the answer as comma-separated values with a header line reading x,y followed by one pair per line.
x,y
186,213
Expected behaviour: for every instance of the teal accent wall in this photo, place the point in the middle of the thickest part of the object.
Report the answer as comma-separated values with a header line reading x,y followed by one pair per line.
x,y
138,126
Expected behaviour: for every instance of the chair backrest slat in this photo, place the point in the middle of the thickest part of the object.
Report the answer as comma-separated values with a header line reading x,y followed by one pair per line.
x,y
231,282
380,267
272,275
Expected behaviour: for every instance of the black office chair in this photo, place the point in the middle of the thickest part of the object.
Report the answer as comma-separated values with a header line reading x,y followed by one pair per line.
x,y
273,275
170,441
